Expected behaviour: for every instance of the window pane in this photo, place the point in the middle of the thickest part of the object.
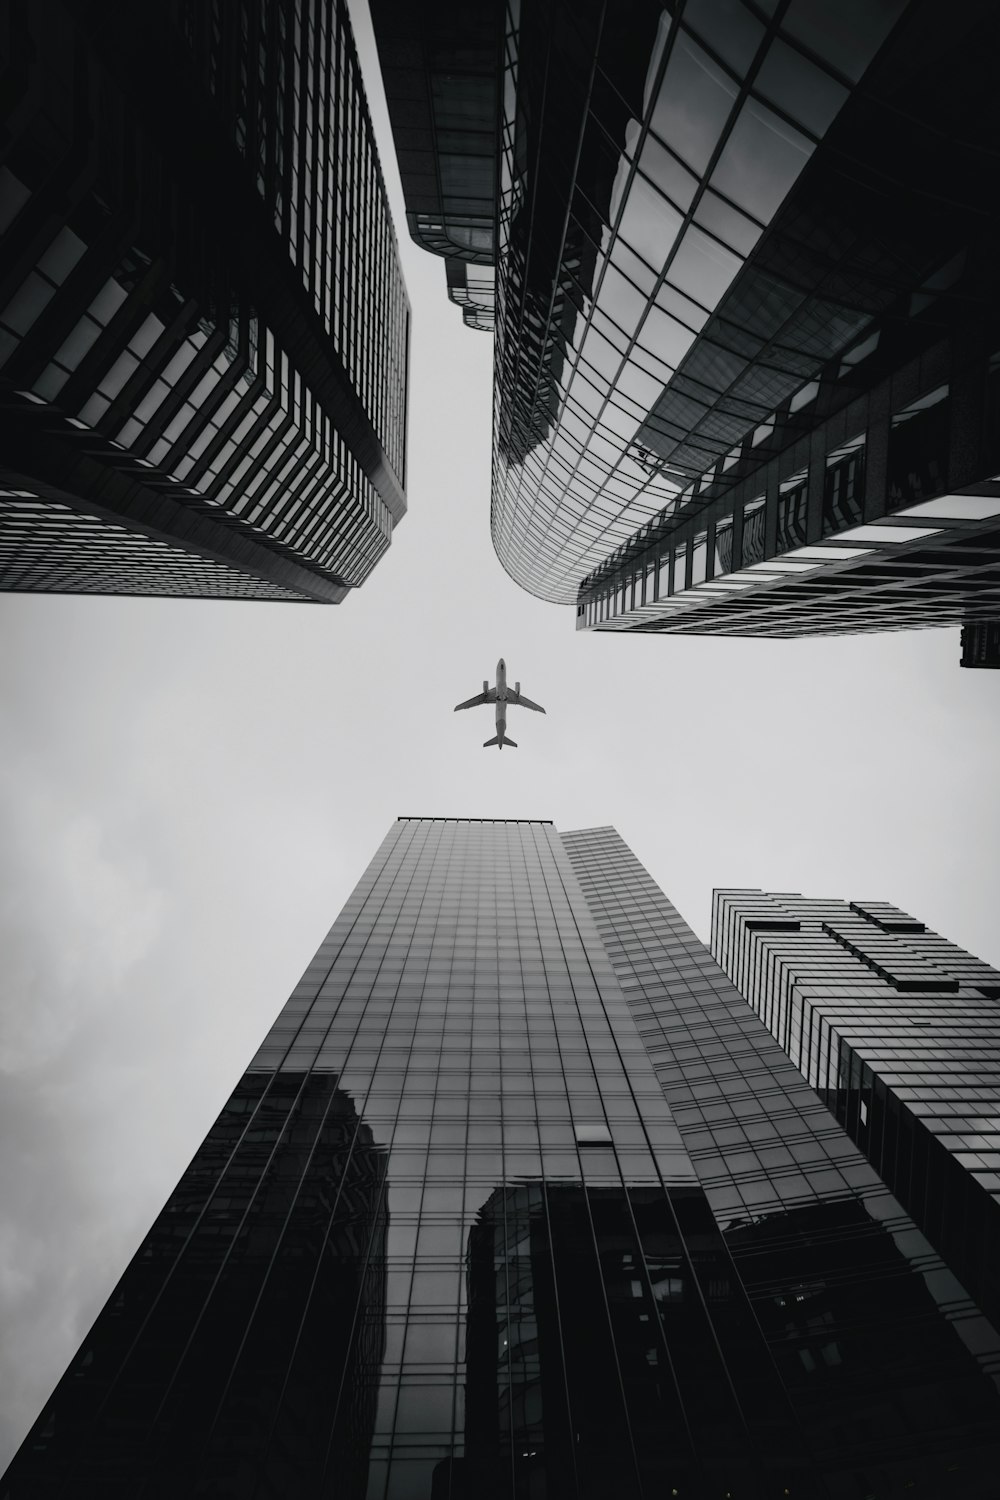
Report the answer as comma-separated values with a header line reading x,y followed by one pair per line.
x,y
694,102
761,160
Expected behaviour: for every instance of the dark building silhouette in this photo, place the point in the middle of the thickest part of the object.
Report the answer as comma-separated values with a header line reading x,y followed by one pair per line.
x,y
209,1372
439,65
203,323
571,1290
981,644
848,1294
519,1199
898,1030
748,334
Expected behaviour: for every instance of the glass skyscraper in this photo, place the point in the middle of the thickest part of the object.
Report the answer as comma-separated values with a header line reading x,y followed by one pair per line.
x,y
898,1030
747,330
203,324
519,1198
439,67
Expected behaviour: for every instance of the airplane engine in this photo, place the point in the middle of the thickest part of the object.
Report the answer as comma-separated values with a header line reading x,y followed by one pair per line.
x,y
517,687
486,686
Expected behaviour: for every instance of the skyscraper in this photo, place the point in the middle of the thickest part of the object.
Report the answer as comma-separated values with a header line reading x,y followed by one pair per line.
x,y
203,323
518,1199
439,67
747,324
898,1030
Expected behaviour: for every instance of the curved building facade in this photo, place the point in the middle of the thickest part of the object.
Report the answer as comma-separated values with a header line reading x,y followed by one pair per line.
x,y
646,150
746,304
203,323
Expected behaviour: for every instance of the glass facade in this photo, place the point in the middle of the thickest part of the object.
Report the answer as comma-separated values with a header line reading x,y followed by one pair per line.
x,y
847,1292
439,68
645,151
51,548
519,1199
203,323
899,1031
730,324
831,427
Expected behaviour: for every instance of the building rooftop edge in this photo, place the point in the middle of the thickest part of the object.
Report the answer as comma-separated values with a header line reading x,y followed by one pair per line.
x,y
416,818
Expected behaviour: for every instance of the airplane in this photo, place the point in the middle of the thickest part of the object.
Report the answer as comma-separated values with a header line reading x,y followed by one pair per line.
x,y
502,696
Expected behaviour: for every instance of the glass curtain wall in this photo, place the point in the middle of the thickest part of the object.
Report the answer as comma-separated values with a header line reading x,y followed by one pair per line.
x,y
644,153
452,1238
202,311
898,1030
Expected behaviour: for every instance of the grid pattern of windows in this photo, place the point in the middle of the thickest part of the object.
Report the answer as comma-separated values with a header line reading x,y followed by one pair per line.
x,y
643,156
239,328
446,1240
469,1007
829,547
49,548
899,1030
865,577
850,373
287,79
439,68
782,1176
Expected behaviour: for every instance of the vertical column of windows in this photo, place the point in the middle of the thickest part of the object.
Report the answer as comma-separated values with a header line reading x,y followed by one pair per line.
x,y
145,396
679,1014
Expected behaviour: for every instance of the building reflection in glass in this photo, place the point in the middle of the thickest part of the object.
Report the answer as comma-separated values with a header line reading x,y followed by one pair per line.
x,y
890,1368
239,1353
897,1030
204,329
888,1392
727,328
607,1342
477,1225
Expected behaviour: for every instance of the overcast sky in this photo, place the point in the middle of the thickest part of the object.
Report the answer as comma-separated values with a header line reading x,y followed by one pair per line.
x,y
188,792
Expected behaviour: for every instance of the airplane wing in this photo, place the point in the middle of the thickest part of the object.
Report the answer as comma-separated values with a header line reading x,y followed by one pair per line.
x,y
489,697
524,702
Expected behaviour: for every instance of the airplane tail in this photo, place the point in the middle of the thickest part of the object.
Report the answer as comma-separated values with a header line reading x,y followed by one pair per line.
x,y
496,741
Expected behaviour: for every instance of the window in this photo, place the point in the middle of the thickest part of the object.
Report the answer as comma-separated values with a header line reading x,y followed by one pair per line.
x,y
761,161
693,104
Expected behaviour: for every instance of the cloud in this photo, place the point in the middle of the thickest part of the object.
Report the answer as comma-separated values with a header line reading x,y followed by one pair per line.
x,y
79,916
192,788
49,1292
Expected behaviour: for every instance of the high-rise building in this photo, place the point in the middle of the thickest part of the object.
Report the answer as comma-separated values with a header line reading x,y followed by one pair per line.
x,y
203,323
519,1199
439,66
898,1030
747,323
981,644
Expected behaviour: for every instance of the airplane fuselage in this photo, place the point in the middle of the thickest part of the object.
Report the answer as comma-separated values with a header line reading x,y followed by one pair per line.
x,y
501,699
501,696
